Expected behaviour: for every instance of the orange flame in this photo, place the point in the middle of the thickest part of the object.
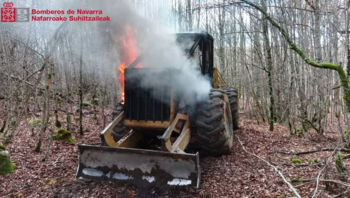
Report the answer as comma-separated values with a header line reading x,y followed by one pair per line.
x,y
127,55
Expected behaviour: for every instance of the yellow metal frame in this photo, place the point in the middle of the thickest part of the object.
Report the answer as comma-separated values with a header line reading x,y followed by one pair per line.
x,y
129,140
146,124
215,78
185,135
181,125
218,81
107,132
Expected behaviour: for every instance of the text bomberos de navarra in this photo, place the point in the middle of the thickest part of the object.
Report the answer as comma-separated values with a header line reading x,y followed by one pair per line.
x,y
70,18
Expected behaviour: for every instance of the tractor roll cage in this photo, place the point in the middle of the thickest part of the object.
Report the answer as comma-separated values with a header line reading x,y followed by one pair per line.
x,y
204,41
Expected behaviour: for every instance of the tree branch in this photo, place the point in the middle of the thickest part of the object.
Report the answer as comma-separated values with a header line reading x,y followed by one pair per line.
x,y
324,167
307,181
318,150
310,4
268,163
324,65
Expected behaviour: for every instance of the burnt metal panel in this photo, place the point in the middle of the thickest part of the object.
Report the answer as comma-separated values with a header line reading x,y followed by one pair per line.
x,y
148,103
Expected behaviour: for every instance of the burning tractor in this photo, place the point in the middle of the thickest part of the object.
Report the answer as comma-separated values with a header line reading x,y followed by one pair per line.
x,y
155,139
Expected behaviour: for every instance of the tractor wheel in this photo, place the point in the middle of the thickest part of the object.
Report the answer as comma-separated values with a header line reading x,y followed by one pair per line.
x,y
214,124
232,95
119,131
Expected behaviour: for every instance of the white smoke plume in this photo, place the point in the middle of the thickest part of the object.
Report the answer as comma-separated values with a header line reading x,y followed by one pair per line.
x,y
160,52
153,40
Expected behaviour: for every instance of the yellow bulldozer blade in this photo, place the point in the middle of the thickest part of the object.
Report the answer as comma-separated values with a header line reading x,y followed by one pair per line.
x,y
140,167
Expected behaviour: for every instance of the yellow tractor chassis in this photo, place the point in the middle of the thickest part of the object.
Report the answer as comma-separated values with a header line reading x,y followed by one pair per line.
x,y
120,161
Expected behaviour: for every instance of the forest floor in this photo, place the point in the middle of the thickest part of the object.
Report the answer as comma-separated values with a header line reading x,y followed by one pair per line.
x,y
238,174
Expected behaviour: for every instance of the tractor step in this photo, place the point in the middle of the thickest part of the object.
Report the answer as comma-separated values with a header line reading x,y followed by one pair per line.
x,y
138,166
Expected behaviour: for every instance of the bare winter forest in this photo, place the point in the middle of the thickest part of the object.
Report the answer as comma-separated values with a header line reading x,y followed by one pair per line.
x,y
61,83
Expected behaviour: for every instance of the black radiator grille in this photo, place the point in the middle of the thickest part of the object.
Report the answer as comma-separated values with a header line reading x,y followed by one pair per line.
x,y
141,103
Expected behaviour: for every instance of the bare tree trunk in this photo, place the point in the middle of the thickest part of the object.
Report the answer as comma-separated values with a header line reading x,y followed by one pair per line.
x,y
222,39
347,36
199,14
324,65
81,132
269,67
45,114
189,15
318,47
58,124
180,15
348,57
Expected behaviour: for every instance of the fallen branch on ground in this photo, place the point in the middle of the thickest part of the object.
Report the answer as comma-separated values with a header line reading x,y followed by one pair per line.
x,y
343,194
324,167
345,157
308,181
268,163
304,184
318,150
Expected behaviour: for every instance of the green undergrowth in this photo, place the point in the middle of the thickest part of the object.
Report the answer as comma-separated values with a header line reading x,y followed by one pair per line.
x,y
296,161
63,135
347,145
86,104
6,164
2,129
339,164
346,134
298,132
58,123
340,168
96,101
38,146
12,123
295,180
35,123
342,154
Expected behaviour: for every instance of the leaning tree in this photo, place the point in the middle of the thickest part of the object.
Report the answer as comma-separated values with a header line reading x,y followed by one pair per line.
x,y
324,65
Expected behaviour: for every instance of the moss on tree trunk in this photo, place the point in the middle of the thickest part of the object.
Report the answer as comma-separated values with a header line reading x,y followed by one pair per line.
x,y
38,146
338,68
6,165
3,127
63,135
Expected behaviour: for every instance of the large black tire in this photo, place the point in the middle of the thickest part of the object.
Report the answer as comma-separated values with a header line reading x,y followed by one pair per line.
x,y
232,95
119,131
214,124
